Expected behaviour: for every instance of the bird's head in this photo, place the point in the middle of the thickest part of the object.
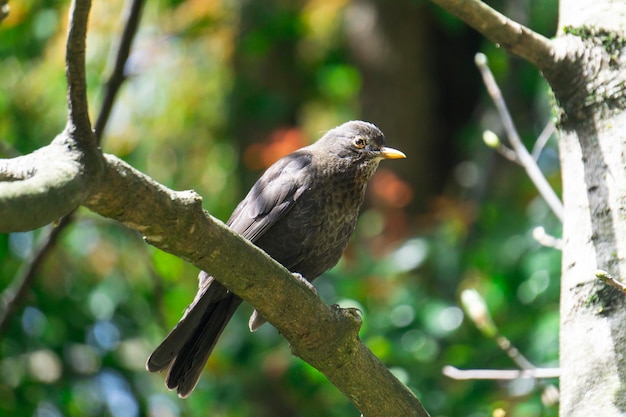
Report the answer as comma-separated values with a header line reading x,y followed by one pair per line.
x,y
358,141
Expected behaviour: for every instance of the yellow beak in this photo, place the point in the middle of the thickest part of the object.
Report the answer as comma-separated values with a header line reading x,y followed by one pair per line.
x,y
390,153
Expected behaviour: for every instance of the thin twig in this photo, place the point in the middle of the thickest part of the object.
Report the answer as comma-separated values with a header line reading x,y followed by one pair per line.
x,y
504,32
476,310
549,241
117,75
514,353
493,141
610,280
13,296
500,374
527,161
541,141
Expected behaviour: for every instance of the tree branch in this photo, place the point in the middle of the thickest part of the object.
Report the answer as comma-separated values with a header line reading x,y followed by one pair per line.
x,y
610,280
325,337
78,116
510,35
117,76
15,170
500,374
525,159
542,140
493,141
47,184
52,181
477,311
549,241
13,296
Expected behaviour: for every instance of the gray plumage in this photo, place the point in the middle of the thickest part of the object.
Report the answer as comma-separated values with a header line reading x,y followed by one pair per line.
x,y
302,212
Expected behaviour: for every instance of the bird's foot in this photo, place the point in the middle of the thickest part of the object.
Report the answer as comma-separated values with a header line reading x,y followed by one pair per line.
x,y
305,281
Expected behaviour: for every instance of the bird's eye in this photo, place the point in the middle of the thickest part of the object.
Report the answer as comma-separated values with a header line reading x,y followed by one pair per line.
x,y
359,142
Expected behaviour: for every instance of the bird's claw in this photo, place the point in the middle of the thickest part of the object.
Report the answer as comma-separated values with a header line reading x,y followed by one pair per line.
x,y
305,281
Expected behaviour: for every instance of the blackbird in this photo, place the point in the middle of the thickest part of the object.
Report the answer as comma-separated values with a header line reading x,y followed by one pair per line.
x,y
302,212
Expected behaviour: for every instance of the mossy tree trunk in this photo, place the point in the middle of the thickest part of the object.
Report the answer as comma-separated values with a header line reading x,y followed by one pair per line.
x,y
590,86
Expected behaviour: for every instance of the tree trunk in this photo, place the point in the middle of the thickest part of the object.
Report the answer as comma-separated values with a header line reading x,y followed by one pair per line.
x,y
589,83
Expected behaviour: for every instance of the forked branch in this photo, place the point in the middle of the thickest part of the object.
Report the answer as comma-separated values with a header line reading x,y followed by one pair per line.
x,y
523,156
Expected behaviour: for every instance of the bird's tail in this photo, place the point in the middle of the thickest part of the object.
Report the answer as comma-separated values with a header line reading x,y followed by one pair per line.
x,y
187,347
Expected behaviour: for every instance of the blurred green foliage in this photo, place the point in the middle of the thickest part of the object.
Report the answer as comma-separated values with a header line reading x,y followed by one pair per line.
x,y
200,81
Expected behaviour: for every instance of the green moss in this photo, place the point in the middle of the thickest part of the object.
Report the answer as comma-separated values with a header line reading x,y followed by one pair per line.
x,y
592,299
611,41
620,397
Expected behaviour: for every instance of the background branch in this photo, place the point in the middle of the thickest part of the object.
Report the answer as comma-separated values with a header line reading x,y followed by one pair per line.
x,y
493,141
117,76
477,311
543,138
13,296
540,235
500,374
504,32
525,159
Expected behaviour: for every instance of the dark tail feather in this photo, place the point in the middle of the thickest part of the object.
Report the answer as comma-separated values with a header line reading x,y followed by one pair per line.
x,y
187,367
187,347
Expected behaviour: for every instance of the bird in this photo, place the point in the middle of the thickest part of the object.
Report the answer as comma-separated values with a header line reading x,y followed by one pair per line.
x,y
302,212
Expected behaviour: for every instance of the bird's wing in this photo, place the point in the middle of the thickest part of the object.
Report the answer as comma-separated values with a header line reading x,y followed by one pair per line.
x,y
272,196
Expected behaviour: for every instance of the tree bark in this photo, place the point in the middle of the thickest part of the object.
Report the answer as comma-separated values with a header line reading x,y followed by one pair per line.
x,y
589,83
593,335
